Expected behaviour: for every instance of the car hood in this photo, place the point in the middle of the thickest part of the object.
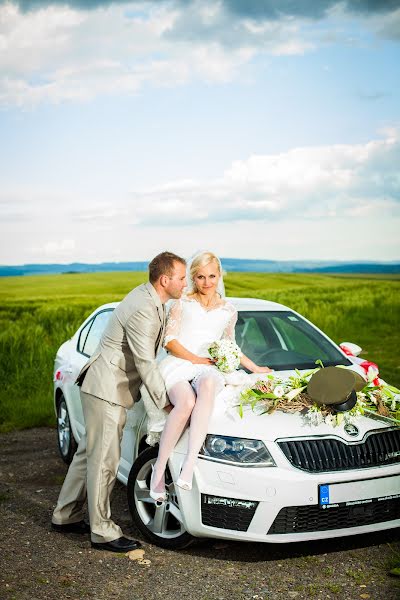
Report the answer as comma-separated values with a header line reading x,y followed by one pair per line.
x,y
226,420
284,425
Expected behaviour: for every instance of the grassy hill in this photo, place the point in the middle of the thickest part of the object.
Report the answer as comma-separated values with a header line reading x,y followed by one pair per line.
x,y
38,313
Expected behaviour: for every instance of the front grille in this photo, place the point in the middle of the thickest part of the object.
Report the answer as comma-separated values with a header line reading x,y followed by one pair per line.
x,y
227,513
330,454
299,519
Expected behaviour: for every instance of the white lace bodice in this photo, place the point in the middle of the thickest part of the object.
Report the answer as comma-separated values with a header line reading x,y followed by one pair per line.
x,y
197,328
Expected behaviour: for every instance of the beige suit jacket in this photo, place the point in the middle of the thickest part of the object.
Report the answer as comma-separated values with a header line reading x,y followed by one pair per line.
x,y
125,357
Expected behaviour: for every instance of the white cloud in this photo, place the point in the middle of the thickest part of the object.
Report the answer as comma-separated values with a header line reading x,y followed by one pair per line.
x,y
36,39
307,182
387,26
59,53
331,239
293,200
61,247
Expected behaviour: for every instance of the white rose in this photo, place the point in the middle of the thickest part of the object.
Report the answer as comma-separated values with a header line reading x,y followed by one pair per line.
x,y
330,420
279,391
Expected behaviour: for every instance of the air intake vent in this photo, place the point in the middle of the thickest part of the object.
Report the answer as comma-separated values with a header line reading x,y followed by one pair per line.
x,y
300,519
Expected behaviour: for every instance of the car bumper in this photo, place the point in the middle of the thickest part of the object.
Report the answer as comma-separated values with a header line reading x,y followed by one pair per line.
x,y
281,505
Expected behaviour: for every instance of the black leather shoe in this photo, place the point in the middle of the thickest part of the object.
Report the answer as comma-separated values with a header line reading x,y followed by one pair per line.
x,y
121,544
78,527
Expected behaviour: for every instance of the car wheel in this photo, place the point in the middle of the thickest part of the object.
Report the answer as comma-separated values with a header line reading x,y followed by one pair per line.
x,y
162,525
66,442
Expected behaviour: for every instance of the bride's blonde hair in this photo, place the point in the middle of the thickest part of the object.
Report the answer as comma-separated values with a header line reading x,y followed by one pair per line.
x,y
202,260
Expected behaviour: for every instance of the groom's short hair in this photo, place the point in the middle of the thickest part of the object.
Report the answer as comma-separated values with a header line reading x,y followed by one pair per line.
x,y
163,264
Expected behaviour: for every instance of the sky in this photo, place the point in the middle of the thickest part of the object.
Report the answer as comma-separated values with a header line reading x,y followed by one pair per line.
x,y
254,128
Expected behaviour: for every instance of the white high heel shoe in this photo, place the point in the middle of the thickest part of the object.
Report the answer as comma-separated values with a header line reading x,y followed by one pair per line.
x,y
157,496
184,485
181,483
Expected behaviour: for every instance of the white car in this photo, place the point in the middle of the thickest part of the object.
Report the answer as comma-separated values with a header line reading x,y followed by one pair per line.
x,y
270,478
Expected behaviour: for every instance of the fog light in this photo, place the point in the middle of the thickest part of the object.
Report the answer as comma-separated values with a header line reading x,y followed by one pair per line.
x,y
227,513
230,502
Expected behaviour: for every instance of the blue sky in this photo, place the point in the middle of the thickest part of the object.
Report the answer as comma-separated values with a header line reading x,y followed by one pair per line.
x,y
129,128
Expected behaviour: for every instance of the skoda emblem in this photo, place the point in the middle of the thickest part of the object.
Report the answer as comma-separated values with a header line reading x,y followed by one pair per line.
x,y
351,430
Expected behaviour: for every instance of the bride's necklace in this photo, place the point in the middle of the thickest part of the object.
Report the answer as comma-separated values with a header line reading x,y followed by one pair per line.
x,y
211,303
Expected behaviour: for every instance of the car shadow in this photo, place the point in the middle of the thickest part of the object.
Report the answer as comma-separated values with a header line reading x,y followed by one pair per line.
x,y
252,552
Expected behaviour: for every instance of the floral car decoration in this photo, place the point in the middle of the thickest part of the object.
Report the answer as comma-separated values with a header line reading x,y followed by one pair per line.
x,y
290,395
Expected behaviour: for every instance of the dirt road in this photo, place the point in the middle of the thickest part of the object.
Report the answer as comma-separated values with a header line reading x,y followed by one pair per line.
x,y
37,563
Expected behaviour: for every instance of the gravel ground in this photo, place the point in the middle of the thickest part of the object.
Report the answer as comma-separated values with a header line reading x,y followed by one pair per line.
x,y
37,563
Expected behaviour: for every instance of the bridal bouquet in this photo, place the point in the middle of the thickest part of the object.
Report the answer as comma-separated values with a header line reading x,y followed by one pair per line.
x,y
226,355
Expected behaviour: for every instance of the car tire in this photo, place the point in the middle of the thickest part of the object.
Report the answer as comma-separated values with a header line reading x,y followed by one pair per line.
x,y
66,442
162,525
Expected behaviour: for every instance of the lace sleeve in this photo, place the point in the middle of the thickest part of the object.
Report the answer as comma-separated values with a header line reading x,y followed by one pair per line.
x,y
173,325
229,331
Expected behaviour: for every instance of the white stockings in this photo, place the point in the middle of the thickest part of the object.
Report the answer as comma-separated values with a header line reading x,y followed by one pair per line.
x,y
206,389
183,399
198,407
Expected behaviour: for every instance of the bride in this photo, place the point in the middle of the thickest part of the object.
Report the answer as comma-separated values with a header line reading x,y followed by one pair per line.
x,y
198,319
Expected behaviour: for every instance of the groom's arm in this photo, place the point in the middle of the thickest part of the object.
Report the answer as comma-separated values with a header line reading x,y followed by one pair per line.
x,y
142,330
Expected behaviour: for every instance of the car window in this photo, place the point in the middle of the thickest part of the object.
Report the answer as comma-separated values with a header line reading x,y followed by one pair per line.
x,y
284,341
250,334
92,332
83,335
299,340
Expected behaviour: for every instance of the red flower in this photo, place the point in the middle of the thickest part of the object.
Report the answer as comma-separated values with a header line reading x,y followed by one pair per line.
x,y
369,366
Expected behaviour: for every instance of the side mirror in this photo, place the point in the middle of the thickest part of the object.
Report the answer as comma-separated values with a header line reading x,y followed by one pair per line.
x,y
350,349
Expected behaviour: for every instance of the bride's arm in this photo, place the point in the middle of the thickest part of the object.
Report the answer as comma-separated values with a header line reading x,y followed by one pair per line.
x,y
174,347
251,366
172,330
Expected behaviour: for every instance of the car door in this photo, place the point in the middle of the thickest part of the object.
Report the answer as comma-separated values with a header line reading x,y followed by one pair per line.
x,y
87,342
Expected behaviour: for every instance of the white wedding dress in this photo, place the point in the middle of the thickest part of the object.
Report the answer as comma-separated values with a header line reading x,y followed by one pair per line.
x,y
196,328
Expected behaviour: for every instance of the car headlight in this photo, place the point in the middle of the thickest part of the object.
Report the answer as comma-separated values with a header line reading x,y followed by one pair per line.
x,y
239,451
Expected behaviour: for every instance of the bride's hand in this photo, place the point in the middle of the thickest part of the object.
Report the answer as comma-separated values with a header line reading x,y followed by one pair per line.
x,y
201,360
262,370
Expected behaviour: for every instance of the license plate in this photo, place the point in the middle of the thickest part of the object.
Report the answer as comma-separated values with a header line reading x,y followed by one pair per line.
x,y
359,492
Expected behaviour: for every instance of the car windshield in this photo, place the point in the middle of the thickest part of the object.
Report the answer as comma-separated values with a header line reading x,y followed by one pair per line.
x,y
284,341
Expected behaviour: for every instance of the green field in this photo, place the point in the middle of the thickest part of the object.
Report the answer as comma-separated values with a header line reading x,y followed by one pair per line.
x,y
38,313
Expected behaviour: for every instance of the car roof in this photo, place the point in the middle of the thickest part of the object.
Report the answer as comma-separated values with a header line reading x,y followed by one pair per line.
x,y
239,303
256,304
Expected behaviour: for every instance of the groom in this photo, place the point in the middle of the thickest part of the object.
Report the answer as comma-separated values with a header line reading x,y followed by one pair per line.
x,y
110,382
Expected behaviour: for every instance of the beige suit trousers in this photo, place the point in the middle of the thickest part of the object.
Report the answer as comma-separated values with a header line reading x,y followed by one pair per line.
x,y
93,471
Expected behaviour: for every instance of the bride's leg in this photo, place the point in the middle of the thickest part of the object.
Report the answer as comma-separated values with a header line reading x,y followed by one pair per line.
x,y
183,398
207,388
